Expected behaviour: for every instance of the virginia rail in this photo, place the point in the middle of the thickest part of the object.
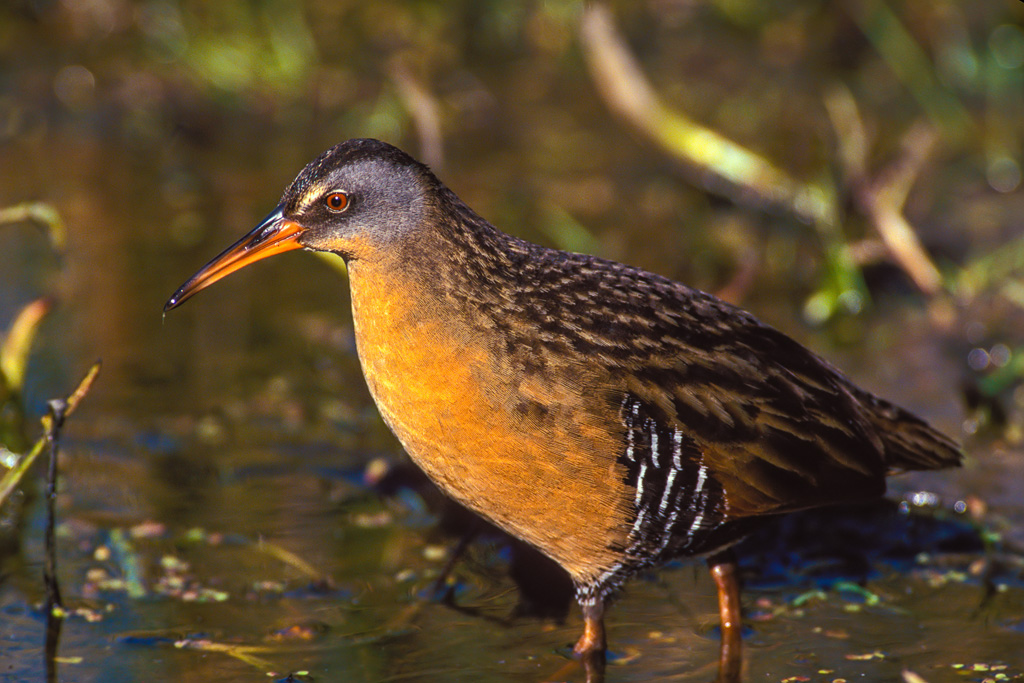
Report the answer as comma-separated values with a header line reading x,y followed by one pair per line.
x,y
610,417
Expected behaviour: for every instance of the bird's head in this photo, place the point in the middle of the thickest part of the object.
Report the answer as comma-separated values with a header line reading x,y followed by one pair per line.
x,y
354,200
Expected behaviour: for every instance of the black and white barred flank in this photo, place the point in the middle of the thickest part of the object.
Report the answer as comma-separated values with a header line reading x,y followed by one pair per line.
x,y
677,504
679,507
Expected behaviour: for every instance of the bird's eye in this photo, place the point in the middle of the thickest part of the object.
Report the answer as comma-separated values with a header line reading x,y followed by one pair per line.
x,y
337,201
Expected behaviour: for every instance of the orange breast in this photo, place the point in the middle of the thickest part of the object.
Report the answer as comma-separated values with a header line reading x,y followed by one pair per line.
x,y
549,478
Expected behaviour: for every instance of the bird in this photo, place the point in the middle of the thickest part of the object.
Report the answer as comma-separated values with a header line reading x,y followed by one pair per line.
x,y
610,417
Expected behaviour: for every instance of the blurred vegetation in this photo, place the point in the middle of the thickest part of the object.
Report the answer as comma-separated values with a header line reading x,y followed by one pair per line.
x,y
17,342
861,148
13,474
813,161
16,345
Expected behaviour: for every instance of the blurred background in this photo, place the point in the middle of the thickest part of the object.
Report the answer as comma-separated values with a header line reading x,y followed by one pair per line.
x,y
849,171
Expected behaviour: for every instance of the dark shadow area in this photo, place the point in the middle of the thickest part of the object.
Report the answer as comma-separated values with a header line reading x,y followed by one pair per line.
x,y
800,551
850,543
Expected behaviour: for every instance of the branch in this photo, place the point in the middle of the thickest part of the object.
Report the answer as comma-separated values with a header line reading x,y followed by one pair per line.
x,y
42,213
882,198
628,93
14,475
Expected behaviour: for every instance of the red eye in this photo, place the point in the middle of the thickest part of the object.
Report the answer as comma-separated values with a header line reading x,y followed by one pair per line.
x,y
337,201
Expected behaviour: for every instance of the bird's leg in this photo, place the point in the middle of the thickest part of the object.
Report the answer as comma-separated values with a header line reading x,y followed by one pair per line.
x,y
589,649
591,645
441,591
730,653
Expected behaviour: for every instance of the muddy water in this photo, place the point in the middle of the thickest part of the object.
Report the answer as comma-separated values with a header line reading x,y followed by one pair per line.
x,y
222,515
239,427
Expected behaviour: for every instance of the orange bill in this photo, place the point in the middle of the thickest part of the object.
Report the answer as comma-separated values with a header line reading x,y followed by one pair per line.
x,y
275,235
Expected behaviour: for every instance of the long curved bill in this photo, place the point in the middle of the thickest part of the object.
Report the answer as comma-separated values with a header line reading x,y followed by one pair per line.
x,y
275,235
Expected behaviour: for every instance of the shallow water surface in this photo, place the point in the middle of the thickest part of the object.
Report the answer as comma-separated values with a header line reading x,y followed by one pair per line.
x,y
280,532
232,508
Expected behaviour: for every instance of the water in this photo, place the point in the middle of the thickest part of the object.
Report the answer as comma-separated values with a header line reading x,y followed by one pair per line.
x,y
218,519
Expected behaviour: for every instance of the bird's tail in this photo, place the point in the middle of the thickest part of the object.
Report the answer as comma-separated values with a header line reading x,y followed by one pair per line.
x,y
910,442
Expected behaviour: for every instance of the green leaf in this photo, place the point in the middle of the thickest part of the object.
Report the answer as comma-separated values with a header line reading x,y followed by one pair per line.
x,y
15,347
